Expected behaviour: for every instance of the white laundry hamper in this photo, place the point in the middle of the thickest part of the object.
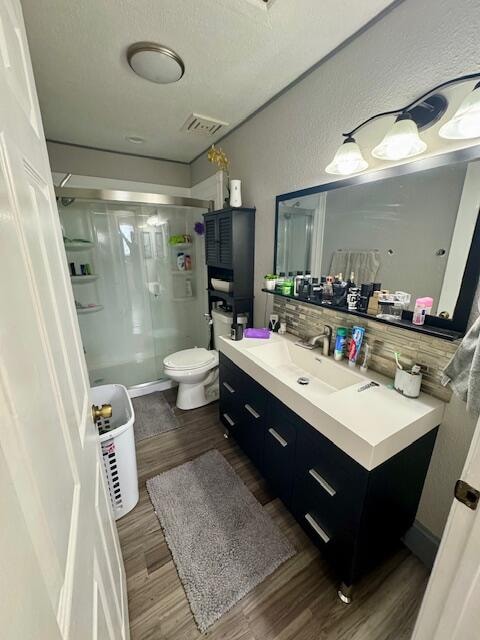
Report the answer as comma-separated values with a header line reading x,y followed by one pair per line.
x,y
118,447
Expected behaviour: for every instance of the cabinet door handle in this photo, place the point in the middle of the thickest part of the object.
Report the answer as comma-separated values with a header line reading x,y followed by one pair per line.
x,y
317,528
322,482
277,437
228,387
229,420
252,411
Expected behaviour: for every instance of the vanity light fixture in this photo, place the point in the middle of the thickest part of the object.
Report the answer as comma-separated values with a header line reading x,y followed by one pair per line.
x,y
465,123
403,139
348,159
155,62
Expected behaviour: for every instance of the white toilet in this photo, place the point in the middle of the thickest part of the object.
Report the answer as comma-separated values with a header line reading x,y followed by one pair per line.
x,y
196,370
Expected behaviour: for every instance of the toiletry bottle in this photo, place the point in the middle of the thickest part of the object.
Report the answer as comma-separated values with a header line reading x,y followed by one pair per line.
x,y
297,283
419,312
279,282
340,341
317,289
286,285
188,288
181,261
355,344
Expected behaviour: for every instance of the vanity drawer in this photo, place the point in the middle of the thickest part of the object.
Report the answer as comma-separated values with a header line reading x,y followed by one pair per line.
x,y
329,477
232,379
279,451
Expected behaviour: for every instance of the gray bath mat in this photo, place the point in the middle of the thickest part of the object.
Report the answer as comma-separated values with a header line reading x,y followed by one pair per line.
x,y
222,541
153,415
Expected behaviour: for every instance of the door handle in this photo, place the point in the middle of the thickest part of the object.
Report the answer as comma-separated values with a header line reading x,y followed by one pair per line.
x,y
277,437
228,387
101,413
252,411
317,528
322,482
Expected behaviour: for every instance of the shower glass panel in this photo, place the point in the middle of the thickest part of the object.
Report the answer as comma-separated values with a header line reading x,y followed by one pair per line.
x,y
135,302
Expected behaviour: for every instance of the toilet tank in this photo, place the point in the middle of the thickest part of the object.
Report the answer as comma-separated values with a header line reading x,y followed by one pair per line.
x,y
222,323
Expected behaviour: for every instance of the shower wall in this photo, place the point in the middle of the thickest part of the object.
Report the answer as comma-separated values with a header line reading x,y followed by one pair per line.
x,y
145,307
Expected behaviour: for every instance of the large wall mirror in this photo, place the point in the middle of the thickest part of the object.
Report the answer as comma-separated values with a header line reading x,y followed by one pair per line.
x,y
412,228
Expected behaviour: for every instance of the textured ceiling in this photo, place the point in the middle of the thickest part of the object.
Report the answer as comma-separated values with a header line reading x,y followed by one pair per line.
x,y
237,54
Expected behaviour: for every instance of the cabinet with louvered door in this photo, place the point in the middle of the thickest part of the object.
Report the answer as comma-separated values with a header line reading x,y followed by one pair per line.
x,y
211,241
229,255
225,249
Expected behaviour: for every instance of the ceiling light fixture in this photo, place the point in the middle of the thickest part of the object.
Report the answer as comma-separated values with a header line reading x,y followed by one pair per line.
x,y
465,123
403,140
155,62
348,159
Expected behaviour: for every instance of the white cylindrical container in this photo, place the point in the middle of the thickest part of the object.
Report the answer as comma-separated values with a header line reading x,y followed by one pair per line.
x,y
235,193
118,447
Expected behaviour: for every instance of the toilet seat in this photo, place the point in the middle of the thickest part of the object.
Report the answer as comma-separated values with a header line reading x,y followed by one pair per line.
x,y
191,359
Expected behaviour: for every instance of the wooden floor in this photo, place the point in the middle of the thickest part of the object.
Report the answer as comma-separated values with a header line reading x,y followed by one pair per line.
x,y
298,601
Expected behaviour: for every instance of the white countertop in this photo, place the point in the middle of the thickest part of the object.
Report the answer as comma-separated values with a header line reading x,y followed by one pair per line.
x,y
370,426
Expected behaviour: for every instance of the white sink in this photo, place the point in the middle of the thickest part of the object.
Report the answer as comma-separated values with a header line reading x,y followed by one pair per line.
x,y
370,426
291,362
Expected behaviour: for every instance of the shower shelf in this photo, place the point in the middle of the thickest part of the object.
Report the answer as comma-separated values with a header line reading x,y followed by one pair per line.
x,y
85,310
177,272
78,246
81,279
185,299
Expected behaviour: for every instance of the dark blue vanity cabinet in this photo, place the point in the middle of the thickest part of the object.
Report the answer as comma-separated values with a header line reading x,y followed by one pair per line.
x,y
356,516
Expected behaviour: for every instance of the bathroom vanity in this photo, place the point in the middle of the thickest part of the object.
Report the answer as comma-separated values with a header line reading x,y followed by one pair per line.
x,y
346,454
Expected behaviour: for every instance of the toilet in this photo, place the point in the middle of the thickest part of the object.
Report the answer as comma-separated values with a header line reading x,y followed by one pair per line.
x,y
196,370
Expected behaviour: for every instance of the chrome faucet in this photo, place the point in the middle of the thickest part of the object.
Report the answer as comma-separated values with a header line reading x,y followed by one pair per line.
x,y
314,342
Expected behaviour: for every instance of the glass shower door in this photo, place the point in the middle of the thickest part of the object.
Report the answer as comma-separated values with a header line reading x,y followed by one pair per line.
x,y
141,306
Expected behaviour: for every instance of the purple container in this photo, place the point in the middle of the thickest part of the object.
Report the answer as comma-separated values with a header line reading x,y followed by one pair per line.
x,y
256,333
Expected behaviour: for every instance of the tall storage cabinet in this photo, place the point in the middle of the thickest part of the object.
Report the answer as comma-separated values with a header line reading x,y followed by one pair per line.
x,y
229,254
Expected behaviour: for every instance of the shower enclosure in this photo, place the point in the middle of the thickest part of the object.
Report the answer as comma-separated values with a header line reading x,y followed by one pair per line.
x,y
138,278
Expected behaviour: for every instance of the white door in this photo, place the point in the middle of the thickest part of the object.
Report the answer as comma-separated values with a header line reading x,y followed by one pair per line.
x,y
451,606
61,571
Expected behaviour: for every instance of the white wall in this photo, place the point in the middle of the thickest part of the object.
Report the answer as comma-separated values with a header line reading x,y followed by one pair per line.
x,y
65,158
287,145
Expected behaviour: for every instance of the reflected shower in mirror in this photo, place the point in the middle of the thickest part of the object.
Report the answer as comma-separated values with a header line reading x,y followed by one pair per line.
x,y
409,233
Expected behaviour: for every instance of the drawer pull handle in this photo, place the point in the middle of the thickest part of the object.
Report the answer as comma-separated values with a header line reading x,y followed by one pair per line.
x,y
252,411
228,387
322,482
278,437
229,420
317,528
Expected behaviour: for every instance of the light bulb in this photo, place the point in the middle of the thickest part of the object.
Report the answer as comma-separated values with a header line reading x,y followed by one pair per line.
x,y
348,159
465,123
402,141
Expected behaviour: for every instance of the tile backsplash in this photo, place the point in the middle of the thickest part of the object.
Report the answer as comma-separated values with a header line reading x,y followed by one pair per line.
x,y
431,353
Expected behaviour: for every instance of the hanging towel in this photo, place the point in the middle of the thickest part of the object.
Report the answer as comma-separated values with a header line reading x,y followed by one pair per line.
x,y
463,370
365,264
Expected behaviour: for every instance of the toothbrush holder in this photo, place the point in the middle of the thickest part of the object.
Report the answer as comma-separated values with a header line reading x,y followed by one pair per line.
x,y
407,383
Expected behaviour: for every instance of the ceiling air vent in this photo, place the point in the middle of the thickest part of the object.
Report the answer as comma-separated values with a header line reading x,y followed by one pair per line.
x,y
203,125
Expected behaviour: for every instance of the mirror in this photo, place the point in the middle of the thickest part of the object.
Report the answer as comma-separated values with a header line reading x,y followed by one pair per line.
x,y
409,228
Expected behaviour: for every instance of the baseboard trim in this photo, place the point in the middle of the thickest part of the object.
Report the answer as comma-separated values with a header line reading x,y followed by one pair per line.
x,y
422,543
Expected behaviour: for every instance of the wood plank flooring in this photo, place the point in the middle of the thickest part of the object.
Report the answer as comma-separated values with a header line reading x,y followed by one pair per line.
x,y
298,601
